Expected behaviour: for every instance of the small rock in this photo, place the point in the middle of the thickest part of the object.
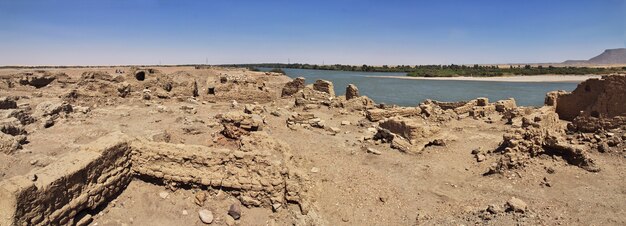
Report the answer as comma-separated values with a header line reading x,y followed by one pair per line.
x,y
516,205
603,147
610,134
235,211
480,157
163,194
334,130
495,209
275,113
550,170
85,220
438,142
33,177
33,162
185,213
345,123
276,206
373,151
229,221
234,104
476,151
200,198
206,216
315,170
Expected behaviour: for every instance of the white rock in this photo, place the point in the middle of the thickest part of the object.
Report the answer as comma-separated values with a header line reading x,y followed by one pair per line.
x,y
345,123
373,151
516,205
315,170
163,194
206,216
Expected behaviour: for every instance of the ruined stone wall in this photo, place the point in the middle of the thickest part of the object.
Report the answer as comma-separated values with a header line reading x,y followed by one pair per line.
x,y
415,130
260,173
255,171
375,115
541,133
604,97
78,181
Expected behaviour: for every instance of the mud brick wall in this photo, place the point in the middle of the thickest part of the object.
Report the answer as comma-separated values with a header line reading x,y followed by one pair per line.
x,y
256,175
78,181
376,115
595,97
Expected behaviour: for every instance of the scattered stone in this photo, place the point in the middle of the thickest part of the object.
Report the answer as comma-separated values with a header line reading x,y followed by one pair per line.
x,y
200,198
123,89
373,151
276,113
7,103
516,205
206,216
235,211
276,206
334,130
33,177
315,170
345,123
185,213
603,147
495,209
480,157
234,104
163,194
85,220
229,221
253,109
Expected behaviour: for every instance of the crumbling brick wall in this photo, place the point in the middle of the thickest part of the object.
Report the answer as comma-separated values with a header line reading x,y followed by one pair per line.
x,y
78,181
604,98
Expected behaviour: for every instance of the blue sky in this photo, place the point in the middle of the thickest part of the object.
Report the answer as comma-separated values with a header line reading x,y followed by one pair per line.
x,y
391,32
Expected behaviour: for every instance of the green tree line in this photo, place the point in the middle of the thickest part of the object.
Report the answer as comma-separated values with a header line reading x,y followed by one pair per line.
x,y
448,70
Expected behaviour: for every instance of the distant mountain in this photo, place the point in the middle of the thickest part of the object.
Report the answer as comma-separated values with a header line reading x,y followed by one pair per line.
x,y
609,56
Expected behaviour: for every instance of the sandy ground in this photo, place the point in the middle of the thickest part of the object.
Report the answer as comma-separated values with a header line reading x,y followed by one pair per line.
x,y
443,185
530,78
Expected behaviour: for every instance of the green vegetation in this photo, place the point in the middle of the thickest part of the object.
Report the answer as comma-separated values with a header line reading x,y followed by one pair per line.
x,y
449,70
278,70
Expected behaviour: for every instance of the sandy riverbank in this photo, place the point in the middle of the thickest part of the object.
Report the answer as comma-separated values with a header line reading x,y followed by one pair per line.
x,y
529,78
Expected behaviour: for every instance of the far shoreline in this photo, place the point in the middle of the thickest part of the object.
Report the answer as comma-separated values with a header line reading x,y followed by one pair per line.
x,y
521,78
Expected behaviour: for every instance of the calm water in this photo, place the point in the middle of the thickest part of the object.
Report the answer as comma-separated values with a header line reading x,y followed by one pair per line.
x,y
411,92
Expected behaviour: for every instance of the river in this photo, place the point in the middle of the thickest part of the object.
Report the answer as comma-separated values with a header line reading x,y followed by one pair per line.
x,y
406,92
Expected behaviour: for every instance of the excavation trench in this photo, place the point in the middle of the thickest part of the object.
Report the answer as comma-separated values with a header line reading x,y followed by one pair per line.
x,y
84,181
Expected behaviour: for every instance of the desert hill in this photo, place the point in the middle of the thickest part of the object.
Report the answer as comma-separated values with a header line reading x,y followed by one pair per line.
x,y
609,56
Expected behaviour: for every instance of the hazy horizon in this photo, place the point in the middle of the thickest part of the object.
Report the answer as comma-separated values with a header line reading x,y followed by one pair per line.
x,y
150,32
